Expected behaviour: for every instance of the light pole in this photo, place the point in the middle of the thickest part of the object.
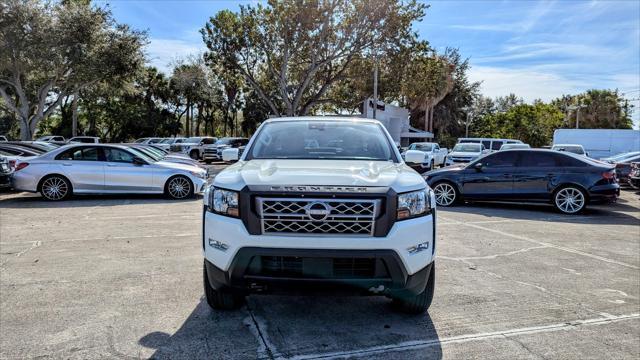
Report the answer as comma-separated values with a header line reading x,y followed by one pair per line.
x,y
469,112
577,109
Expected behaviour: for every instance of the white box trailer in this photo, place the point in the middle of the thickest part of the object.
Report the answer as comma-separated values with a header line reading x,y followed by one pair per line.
x,y
600,143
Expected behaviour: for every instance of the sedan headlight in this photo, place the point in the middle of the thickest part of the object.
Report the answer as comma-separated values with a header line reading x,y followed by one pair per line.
x,y
413,204
223,202
200,174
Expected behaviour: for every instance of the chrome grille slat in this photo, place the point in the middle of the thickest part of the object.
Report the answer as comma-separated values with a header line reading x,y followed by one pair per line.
x,y
345,216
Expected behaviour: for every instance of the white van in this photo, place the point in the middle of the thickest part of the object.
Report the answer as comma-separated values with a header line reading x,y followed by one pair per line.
x,y
600,143
490,144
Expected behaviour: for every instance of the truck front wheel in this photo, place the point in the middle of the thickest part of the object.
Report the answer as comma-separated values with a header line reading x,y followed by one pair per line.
x,y
220,299
418,304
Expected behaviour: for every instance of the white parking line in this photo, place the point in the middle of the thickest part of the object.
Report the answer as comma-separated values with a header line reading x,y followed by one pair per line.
x,y
558,247
105,238
504,334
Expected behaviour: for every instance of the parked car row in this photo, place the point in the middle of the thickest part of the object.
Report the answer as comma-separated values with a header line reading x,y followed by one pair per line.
x,y
634,176
102,169
623,163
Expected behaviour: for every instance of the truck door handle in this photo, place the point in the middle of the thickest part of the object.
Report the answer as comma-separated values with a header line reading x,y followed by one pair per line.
x,y
66,164
507,175
111,164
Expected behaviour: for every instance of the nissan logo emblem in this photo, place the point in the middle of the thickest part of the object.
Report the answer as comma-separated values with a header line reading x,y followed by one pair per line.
x,y
318,211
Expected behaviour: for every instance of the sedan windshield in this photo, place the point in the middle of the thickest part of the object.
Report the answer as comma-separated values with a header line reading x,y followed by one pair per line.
x,y
622,157
148,152
142,155
467,148
314,139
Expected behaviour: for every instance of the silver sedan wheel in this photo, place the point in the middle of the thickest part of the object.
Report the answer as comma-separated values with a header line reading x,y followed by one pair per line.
x,y
179,187
54,188
445,194
570,200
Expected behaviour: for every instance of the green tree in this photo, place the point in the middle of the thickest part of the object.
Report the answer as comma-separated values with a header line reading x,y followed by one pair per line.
x,y
533,124
53,50
597,109
302,48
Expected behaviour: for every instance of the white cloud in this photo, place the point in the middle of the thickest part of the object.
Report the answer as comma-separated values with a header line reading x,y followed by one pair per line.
x,y
162,53
527,83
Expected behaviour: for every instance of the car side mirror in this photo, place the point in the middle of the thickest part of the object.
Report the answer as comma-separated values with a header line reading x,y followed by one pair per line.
x,y
414,157
138,161
478,166
231,154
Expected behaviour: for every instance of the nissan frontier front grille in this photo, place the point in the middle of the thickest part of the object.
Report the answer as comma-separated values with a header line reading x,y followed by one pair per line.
x,y
317,216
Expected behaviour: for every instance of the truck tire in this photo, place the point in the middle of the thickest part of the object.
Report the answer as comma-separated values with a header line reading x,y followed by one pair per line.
x,y
220,299
432,166
418,304
194,155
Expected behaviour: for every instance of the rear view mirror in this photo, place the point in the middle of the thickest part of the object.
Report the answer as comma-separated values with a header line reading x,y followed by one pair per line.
x,y
232,154
414,157
478,166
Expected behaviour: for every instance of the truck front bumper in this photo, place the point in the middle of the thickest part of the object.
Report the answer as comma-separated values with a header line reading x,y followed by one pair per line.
x,y
373,272
239,259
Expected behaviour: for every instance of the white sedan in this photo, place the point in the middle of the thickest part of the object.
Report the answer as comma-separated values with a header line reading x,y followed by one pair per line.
x,y
105,169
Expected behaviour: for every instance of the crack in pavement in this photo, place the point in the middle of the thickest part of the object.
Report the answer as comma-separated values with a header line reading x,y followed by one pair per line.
x,y
266,348
34,244
558,247
503,334
488,257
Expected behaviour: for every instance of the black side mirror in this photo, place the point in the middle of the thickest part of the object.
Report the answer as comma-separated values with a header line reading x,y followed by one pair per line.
x,y
478,166
138,161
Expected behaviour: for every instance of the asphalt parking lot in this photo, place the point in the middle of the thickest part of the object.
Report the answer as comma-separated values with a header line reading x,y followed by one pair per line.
x,y
121,277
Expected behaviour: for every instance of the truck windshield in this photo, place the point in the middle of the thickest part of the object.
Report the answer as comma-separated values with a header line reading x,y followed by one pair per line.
x,y
224,141
467,148
421,147
313,139
569,148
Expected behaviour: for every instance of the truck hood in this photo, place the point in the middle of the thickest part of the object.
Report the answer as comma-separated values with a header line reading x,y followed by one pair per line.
x,y
398,176
464,154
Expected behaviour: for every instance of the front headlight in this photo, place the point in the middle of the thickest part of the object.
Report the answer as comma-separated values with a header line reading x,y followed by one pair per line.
x,y
223,202
413,204
199,174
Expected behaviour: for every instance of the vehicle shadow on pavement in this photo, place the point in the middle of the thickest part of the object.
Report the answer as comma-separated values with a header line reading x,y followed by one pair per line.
x,y
594,214
272,327
27,200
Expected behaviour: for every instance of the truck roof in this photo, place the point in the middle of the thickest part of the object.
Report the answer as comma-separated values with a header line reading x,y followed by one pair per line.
x,y
324,118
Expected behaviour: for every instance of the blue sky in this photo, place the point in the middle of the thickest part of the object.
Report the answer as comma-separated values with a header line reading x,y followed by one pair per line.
x,y
535,49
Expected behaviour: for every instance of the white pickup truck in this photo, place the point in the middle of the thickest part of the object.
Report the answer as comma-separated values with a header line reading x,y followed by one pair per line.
x,y
433,155
465,153
321,203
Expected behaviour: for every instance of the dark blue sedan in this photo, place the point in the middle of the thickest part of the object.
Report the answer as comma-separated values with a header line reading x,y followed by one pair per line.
x,y
567,181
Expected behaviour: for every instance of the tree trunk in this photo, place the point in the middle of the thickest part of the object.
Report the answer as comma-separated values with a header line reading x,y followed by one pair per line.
x,y
187,122
25,133
235,123
74,114
199,119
